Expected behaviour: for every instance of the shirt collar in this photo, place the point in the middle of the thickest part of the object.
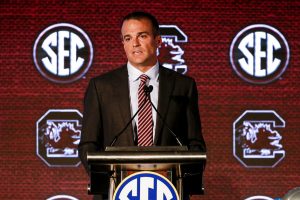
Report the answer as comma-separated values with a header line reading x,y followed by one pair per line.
x,y
134,73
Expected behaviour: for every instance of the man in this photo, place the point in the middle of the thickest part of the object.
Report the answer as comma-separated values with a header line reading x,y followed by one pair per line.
x,y
113,98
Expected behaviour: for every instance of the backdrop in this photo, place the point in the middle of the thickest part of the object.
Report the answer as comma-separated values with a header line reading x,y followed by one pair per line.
x,y
244,56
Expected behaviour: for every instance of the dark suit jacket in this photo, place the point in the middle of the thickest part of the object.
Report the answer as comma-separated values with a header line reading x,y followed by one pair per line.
x,y
107,111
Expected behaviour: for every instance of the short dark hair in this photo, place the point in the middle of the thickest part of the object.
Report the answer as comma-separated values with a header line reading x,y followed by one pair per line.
x,y
144,15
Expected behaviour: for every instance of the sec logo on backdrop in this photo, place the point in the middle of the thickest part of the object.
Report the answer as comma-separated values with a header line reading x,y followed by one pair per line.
x,y
146,186
62,53
259,54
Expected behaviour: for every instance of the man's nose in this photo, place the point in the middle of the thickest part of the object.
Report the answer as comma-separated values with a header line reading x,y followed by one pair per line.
x,y
136,42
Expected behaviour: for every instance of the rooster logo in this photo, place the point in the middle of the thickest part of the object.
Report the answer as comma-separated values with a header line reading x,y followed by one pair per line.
x,y
62,138
171,53
257,141
58,135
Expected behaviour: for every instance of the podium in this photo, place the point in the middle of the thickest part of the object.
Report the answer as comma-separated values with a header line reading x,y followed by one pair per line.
x,y
184,168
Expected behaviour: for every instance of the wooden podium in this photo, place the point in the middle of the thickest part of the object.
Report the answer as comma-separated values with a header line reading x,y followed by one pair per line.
x,y
182,167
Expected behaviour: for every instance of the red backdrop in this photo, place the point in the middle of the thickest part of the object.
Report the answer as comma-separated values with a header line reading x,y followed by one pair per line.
x,y
210,26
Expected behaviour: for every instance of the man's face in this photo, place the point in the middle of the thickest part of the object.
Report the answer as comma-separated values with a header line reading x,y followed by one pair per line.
x,y
139,42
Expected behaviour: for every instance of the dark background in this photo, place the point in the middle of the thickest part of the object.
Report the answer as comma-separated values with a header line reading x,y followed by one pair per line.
x,y
210,26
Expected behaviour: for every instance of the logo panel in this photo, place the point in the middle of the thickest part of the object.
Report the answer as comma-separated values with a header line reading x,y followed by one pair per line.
x,y
62,197
171,52
63,53
259,198
146,186
257,140
57,136
259,54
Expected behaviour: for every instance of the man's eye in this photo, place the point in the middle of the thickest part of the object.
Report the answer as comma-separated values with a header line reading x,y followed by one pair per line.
x,y
143,36
126,39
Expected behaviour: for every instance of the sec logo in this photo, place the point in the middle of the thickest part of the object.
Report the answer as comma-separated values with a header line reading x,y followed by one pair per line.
x,y
146,186
63,53
259,54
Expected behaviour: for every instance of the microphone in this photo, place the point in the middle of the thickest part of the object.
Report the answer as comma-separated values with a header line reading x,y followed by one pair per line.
x,y
147,90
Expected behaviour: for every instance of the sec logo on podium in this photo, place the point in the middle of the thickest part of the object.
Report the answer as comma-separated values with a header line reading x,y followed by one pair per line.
x,y
145,186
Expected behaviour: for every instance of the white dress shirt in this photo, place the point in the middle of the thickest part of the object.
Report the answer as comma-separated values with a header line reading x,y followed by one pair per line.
x,y
134,81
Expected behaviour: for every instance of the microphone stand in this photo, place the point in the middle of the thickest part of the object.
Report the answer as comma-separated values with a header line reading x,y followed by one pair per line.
x,y
147,91
150,88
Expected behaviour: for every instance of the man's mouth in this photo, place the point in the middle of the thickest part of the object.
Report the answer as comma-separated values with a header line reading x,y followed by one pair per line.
x,y
137,52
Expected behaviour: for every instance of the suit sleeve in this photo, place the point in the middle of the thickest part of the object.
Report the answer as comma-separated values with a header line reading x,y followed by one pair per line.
x,y
91,124
196,140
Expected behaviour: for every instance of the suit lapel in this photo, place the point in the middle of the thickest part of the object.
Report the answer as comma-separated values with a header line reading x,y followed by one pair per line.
x,y
121,88
166,84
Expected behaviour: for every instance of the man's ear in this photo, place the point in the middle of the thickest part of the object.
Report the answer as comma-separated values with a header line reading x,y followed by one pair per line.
x,y
158,40
122,39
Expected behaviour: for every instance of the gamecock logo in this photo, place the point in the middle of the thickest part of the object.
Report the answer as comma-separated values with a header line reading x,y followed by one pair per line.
x,y
57,136
171,51
257,140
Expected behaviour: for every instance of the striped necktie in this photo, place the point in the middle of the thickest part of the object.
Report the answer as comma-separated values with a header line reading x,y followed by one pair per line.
x,y
145,121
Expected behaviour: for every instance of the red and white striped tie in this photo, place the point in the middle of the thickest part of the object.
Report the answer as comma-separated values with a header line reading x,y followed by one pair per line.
x,y
145,121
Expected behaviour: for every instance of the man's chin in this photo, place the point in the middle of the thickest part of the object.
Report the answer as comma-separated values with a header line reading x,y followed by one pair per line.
x,y
138,63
